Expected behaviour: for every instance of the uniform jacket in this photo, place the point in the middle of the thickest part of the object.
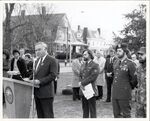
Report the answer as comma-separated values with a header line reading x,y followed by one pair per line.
x,y
89,74
100,81
46,74
76,65
21,66
124,79
141,90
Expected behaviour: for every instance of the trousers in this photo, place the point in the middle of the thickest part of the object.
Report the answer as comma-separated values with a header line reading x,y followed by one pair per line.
x,y
44,107
89,107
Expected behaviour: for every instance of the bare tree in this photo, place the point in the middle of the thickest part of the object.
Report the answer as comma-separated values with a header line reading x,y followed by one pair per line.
x,y
9,7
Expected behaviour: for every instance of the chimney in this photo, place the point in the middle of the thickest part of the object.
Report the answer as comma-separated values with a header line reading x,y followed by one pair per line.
x,y
78,27
43,11
85,35
23,13
99,31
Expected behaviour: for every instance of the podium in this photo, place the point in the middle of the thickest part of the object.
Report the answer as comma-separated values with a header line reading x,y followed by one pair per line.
x,y
18,97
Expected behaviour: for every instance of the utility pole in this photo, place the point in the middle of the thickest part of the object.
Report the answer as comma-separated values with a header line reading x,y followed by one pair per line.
x,y
67,45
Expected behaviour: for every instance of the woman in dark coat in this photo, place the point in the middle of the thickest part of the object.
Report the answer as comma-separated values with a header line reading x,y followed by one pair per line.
x,y
6,63
6,67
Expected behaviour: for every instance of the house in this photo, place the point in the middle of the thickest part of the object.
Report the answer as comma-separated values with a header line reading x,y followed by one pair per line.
x,y
94,40
54,29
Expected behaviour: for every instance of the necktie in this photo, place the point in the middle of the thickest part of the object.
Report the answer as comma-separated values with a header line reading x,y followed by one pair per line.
x,y
119,62
39,64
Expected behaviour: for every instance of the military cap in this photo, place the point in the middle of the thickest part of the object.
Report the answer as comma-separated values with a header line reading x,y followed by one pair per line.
x,y
142,50
122,46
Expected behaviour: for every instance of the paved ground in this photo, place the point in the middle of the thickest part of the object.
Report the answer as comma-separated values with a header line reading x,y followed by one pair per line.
x,y
64,107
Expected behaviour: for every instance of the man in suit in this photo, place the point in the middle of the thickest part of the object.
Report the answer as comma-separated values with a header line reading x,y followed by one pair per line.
x,y
18,65
109,73
88,74
124,81
44,76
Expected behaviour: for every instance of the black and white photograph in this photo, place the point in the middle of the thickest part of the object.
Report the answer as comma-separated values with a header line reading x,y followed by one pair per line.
x,y
75,59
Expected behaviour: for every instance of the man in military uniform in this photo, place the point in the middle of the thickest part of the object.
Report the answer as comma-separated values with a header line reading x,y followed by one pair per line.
x,y
88,74
123,83
141,88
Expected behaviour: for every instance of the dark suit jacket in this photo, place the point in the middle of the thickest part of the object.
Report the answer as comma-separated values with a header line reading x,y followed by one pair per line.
x,y
29,68
89,74
46,74
124,79
109,66
21,66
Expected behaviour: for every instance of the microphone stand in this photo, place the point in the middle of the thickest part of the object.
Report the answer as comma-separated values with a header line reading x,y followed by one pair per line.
x,y
32,100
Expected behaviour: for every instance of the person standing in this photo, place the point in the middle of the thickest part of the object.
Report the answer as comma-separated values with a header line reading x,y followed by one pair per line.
x,y
56,80
6,67
124,81
101,77
109,73
141,88
88,74
44,76
76,65
18,65
22,52
6,62
135,60
29,63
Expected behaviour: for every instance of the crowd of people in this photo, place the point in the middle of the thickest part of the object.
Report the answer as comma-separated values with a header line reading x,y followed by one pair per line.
x,y
124,73
121,71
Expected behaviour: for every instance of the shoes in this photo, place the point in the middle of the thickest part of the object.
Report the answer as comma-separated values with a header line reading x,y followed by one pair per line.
x,y
98,98
78,98
108,100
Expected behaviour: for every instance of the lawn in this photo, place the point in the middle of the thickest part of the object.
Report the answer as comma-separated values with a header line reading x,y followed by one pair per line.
x,y
65,107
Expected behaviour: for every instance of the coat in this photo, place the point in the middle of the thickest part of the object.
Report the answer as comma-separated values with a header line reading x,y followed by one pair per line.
x,y
6,67
89,74
109,66
21,66
46,74
76,64
124,79
100,81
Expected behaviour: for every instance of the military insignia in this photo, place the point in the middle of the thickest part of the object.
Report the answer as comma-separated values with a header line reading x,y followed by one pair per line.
x,y
124,68
95,71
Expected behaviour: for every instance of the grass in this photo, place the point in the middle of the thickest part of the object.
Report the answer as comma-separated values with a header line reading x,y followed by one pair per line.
x,y
65,107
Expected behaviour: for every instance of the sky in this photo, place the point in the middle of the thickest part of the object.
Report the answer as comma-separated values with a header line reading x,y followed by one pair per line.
x,y
107,15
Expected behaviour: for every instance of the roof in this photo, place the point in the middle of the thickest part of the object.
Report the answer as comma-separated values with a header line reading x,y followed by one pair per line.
x,y
91,34
50,19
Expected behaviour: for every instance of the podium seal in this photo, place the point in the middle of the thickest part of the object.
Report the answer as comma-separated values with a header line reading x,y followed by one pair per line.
x,y
9,95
